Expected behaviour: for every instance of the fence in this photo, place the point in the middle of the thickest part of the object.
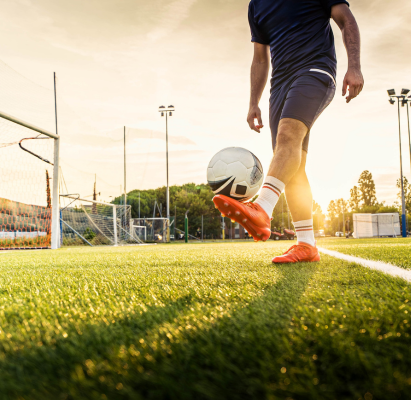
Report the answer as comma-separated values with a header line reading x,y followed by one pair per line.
x,y
207,227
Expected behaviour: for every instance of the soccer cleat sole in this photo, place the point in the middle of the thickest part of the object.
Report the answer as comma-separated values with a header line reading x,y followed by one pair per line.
x,y
237,216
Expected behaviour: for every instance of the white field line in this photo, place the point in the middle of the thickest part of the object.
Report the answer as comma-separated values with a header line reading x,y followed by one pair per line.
x,y
389,269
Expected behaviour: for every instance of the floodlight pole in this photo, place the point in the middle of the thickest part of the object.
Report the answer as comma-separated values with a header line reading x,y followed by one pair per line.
x,y
392,95
168,189
404,228
168,112
186,227
125,180
408,100
409,128
343,219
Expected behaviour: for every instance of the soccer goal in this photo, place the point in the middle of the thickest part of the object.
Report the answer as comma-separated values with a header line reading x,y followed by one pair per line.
x,y
376,225
150,229
94,223
29,166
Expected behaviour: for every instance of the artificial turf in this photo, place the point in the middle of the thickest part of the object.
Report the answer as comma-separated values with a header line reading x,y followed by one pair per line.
x,y
208,321
394,251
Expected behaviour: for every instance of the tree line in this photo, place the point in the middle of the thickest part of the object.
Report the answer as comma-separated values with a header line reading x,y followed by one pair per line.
x,y
362,199
197,199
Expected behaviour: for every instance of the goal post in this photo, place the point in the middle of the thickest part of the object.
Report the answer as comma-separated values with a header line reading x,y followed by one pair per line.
x,y
55,220
29,212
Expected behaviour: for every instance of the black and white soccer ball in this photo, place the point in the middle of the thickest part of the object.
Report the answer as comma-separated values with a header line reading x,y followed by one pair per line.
x,y
235,172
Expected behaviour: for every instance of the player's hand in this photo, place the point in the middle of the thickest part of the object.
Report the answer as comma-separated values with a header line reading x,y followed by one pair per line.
x,y
255,114
354,81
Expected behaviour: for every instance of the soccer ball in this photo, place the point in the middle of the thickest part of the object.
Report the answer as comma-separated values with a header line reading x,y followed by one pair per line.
x,y
235,172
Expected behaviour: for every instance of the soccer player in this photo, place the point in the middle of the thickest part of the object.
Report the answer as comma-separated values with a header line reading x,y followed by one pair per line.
x,y
299,37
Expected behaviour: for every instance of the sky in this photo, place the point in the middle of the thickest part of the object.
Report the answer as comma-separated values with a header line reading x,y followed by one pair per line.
x,y
118,61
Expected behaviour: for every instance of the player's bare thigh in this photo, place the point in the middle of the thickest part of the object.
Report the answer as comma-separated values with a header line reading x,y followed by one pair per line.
x,y
291,133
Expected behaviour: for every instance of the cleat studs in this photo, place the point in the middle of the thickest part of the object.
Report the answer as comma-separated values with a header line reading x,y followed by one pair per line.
x,y
226,204
259,234
229,213
232,220
245,220
255,240
223,215
237,213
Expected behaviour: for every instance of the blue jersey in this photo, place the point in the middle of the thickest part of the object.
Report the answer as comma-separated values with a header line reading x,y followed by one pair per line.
x,y
299,35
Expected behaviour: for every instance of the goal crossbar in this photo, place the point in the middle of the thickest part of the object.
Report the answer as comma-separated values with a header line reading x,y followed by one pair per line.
x,y
73,197
27,125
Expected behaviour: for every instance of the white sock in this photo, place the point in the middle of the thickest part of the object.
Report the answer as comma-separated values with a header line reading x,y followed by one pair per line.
x,y
270,194
305,232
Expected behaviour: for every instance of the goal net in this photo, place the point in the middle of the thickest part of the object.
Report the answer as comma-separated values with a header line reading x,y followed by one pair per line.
x,y
26,185
94,223
376,225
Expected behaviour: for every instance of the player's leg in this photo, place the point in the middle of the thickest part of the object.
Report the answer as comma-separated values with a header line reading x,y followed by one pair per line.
x,y
256,217
285,162
292,113
288,151
300,203
298,191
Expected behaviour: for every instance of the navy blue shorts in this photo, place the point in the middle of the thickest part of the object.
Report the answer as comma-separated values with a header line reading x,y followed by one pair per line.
x,y
305,98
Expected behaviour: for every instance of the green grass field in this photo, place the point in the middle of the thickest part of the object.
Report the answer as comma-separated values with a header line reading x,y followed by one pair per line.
x,y
393,251
204,321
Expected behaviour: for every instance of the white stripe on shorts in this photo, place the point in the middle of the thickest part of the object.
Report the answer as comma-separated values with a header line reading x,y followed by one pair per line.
x,y
324,72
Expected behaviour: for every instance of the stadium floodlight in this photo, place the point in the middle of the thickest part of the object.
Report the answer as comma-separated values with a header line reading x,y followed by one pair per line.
x,y
391,92
170,109
405,91
391,101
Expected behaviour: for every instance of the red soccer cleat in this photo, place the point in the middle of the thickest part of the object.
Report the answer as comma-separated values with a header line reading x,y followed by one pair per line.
x,y
249,215
301,252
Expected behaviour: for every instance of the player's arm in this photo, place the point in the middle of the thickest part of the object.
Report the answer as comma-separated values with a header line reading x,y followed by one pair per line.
x,y
345,20
259,74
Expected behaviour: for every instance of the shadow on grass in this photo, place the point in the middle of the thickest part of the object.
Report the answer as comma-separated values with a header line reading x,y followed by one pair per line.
x,y
52,371
232,357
